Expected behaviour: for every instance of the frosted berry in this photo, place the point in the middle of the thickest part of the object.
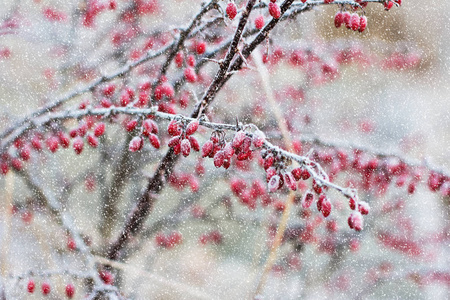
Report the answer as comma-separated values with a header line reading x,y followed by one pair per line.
x,y
274,183
92,141
388,5
136,144
347,17
131,125
362,24
45,288
78,145
31,286
238,139
150,126
259,22
174,141
70,290
326,207
106,276
99,129
154,140
219,158
363,207
173,128
71,245
192,127
338,19
190,75
200,48
52,143
354,22
64,139
274,10
179,58
231,10
207,148
194,143
355,221
185,147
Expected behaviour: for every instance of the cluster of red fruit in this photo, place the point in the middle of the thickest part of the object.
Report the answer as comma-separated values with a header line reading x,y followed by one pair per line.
x,y
222,151
182,140
214,237
46,289
168,240
351,21
149,128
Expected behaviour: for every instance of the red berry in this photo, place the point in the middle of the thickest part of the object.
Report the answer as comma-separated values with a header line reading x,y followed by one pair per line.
x,y
352,203
150,126
219,158
194,143
290,181
106,103
207,148
259,22
92,141
64,139
25,152
297,173
173,128
31,286
388,5
106,276
179,58
70,290
363,207
326,207
36,143
190,75
136,144
143,99
274,183
238,139
305,174
354,22
192,127
45,288
362,24
338,19
174,141
355,221
347,16
109,90
274,10
200,48
154,140
185,147
258,139
78,145
71,245
99,129
231,10
131,125
112,4
190,61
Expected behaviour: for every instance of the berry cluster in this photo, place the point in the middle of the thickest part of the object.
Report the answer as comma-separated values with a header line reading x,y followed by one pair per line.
x,y
168,241
182,140
351,21
46,288
149,128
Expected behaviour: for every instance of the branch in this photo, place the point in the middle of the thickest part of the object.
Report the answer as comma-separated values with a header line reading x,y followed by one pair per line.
x,y
215,86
